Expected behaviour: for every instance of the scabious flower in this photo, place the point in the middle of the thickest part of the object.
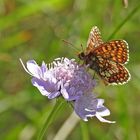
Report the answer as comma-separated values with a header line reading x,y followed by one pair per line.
x,y
89,106
64,77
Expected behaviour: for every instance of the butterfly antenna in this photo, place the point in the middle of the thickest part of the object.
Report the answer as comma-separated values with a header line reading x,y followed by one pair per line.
x,y
70,44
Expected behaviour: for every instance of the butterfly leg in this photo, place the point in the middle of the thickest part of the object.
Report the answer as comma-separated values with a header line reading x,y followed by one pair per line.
x,y
93,76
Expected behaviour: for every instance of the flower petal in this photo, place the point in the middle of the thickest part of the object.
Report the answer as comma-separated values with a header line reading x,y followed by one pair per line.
x,y
33,68
102,119
53,95
41,85
89,106
43,67
47,88
64,93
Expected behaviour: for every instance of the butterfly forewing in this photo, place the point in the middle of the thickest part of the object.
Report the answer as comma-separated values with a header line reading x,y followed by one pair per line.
x,y
94,39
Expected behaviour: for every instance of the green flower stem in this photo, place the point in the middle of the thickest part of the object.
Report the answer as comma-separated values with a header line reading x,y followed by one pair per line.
x,y
124,21
58,105
84,130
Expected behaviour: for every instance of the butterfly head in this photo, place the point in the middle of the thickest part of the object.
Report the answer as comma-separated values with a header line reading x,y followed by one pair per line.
x,y
81,55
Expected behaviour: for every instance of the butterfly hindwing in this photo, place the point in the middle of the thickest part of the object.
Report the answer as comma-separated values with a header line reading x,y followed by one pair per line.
x,y
114,73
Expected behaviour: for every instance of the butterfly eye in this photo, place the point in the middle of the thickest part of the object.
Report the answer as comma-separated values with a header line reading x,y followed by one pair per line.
x,y
81,56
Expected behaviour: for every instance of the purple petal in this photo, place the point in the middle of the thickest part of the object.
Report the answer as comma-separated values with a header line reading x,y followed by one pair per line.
x,y
53,95
33,68
101,109
70,93
41,85
46,88
87,101
64,92
89,106
43,68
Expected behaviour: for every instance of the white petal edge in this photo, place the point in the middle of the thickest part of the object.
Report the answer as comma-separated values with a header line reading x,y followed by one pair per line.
x,y
103,120
106,112
100,102
64,93
34,68
85,119
25,67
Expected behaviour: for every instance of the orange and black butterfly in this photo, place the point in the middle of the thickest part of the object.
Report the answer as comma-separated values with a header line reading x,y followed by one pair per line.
x,y
107,59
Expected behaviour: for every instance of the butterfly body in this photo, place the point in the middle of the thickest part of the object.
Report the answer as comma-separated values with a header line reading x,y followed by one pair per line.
x,y
107,59
90,59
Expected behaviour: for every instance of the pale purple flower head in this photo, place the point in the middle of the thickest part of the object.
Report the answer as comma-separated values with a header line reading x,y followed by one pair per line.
x,y
88,106
65,77
74,78
43,79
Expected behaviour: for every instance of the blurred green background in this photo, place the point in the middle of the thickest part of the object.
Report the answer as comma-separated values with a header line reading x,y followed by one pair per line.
x,y
34,29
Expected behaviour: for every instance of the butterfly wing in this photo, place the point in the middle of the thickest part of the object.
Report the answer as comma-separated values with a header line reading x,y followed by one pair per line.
x,y
115,50
94,39
112,73
107,59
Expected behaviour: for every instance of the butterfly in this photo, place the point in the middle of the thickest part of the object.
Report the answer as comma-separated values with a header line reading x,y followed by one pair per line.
x,y
107,59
